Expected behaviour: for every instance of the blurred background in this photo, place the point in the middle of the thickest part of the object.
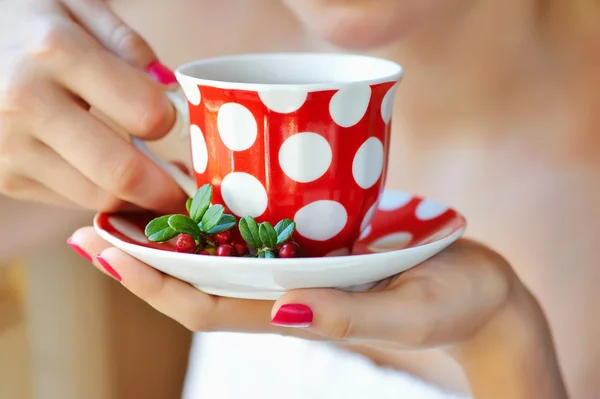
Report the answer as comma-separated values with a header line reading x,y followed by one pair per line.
x,y
66,330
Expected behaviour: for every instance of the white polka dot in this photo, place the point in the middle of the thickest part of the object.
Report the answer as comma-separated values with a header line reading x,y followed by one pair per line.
x,y
321,220
283,101
428,209
304,157
368,217
365,233
244,194
237,126
387,105
348,106
368,163
199,150
339,252
128,229
392,200
190,89
391,242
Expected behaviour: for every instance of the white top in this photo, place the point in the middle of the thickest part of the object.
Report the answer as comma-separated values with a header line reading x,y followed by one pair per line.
x,y
239,366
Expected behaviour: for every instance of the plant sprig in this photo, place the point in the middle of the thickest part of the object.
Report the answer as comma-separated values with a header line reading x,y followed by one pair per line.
x,y
263,237
203,220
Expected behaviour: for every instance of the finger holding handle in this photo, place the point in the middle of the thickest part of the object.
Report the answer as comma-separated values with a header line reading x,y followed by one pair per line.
x,y
116,36
185,182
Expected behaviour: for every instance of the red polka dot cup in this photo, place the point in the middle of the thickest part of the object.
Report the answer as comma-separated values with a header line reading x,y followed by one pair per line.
x,y
303,136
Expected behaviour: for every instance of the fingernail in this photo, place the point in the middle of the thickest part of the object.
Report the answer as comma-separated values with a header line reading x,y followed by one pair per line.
x,y
161,73
78,250
108,267
293,315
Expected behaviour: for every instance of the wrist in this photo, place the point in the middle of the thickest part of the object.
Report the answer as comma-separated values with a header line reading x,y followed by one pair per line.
x,y
512,355
516,321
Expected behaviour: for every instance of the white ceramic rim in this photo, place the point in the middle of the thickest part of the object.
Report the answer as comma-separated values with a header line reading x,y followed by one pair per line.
x,y
315,263
385,71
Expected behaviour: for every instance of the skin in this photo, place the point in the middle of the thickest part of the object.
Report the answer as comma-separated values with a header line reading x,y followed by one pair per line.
x,y
495,117
466,300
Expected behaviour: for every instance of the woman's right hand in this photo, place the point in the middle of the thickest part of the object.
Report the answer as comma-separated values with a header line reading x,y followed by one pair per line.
x,y
58,60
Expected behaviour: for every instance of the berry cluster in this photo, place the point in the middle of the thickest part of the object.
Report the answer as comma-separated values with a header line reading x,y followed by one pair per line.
x,y
207,230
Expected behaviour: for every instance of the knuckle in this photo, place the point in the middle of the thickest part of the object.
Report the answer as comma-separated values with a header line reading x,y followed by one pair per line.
x,y
155,112
53,40
6,147
16,96
426,333
128,43
339,329
14,144
202,316
127,174
417,337
150,293
11,184
6,143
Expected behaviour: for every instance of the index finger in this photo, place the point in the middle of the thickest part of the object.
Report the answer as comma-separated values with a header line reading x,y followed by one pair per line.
x,y
101,155
112,32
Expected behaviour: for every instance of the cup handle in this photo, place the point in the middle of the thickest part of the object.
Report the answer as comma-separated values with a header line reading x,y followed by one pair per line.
x,y
185,182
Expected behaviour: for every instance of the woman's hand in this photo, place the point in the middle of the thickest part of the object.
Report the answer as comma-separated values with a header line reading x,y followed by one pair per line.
x,y
445,300
466,299
58,60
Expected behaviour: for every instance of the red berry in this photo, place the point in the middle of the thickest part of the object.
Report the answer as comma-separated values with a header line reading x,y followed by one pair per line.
x,y
223,237
204,252
185,243
226,250
241,248
289,250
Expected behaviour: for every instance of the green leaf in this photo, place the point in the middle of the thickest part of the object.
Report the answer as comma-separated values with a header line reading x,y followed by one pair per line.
x,y
261,254
269,254
267,233
201,202
226,222
185,225
249,231
212,217
158,230
284,230
188,204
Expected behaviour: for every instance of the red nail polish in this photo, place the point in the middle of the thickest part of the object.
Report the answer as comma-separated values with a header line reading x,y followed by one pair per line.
x,y
78,250
108,267
161,73
293,315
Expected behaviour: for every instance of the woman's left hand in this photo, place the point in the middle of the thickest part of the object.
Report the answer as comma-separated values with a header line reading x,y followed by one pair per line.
x,y
444,300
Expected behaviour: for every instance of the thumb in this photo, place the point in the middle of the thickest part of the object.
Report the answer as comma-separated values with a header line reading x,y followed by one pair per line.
x,y
112,32
338,315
